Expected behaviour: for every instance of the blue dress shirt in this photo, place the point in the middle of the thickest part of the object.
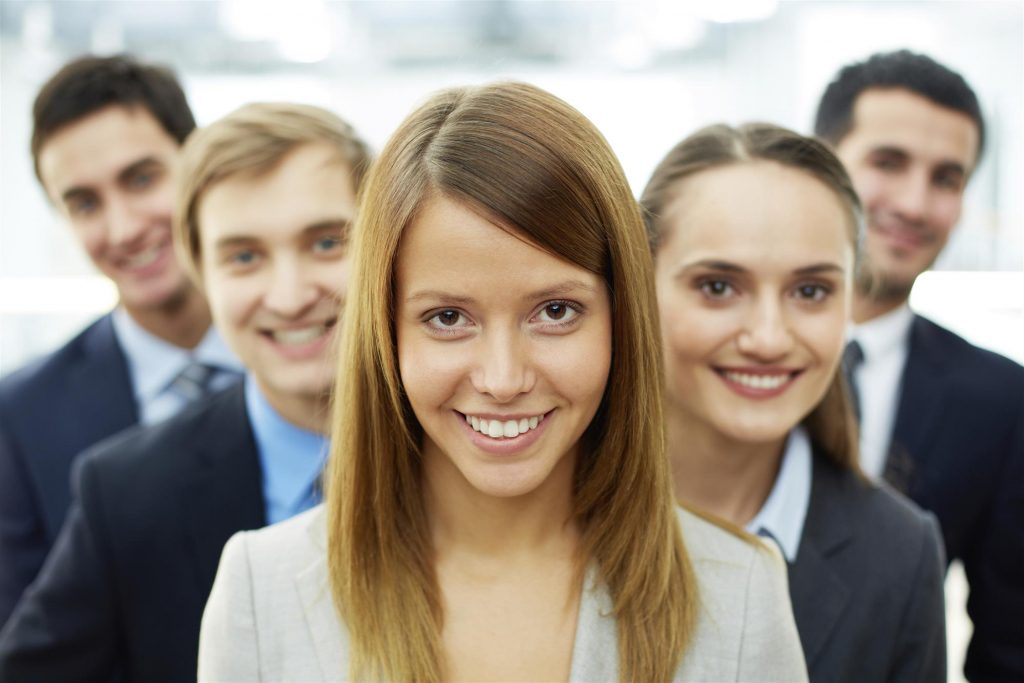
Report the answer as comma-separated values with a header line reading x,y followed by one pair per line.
x,y
291,458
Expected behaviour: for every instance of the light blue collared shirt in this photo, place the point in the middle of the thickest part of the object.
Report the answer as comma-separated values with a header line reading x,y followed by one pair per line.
x,y
153,364
783,513
291,458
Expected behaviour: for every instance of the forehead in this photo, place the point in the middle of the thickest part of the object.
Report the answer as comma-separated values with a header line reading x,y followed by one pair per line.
x,y
310,185
449,245
899,119
95,148
759,212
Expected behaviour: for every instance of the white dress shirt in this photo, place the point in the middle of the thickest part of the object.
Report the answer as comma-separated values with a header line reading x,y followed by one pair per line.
x,y
885,342
154,363
782,516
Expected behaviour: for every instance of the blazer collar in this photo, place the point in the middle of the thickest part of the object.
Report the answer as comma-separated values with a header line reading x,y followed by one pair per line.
x,y
922,397
221,493
819,595
102,383
328,634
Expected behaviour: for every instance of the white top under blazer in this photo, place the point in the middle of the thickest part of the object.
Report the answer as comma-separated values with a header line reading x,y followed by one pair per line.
x,y
270,616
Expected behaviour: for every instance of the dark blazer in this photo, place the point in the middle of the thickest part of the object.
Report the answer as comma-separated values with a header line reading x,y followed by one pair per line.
x,y
123,591
958,451
50,411
867,584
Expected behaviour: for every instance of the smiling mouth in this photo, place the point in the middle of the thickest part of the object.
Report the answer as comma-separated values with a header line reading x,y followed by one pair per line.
x,y
758,383
143,259
503,429
301,335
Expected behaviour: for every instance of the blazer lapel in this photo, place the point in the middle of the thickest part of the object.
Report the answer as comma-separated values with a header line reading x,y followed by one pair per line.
x,y
922,396
596,648
328,635
222,494
819,595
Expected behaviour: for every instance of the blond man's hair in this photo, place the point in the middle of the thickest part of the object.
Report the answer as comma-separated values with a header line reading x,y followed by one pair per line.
x,y
252,141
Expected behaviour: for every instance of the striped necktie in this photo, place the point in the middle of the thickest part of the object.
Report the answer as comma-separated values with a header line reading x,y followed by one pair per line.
x,y
853,356
194,381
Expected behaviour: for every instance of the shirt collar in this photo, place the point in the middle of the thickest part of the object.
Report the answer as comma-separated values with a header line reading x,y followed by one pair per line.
x,y
783,513
153,362
883,334
291,457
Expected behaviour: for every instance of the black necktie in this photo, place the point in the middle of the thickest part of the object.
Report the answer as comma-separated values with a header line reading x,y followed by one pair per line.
x,y
853,356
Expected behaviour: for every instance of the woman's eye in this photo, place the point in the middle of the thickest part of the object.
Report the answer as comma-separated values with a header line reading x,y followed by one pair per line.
x,y
557,312
446,318
716,289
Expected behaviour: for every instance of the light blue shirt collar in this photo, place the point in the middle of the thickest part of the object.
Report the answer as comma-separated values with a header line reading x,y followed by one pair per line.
x,y
153,363
291,458
783,514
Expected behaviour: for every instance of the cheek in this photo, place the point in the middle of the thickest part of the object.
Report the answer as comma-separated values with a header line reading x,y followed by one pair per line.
x,y
231,300
429,371
90,235
945,214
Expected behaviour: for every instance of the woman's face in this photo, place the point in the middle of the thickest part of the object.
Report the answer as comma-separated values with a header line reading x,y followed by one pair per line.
x,y
503,350
753,280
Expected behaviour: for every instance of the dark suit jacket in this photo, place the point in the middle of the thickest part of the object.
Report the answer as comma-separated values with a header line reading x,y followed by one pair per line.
x,y
50,412
124,589
867,584
958,451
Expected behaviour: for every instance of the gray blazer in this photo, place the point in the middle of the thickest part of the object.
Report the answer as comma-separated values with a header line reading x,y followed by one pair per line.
x,y
271,617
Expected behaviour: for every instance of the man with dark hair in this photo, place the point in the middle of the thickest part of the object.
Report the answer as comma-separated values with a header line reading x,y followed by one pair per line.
x,y
105,145
940,419
263,210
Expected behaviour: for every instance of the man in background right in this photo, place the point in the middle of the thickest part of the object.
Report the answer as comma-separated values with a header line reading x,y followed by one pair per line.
x,y
941,420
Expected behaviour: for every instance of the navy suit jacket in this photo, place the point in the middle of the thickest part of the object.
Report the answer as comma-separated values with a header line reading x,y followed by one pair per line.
x,y
122,594
958,451
866,585
50,411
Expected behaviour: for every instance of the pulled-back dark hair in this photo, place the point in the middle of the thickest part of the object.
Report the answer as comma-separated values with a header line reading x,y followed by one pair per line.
x,y
88,84
917,73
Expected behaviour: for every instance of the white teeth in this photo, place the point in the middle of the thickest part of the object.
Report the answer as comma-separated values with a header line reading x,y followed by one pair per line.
x,y
300,336
145,258
507,429
757,381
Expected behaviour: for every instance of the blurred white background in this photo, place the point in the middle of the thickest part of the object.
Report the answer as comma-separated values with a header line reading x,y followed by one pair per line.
x,y
647,72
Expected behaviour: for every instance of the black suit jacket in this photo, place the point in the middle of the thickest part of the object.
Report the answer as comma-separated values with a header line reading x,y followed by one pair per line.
x,y
867,584
958,451
50,411
123,591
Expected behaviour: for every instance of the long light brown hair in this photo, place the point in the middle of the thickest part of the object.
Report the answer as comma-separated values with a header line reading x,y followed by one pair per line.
x,y
831,425
537,167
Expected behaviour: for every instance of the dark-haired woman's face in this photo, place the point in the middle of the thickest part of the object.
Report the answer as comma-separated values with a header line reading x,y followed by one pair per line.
x,y
504,352
753,283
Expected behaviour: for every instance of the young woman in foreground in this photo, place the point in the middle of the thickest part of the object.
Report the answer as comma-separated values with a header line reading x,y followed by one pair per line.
x,y
754,232
498,499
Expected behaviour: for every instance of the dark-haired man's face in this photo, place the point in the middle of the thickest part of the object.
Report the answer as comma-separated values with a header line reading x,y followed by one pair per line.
x,y
909,160
111,173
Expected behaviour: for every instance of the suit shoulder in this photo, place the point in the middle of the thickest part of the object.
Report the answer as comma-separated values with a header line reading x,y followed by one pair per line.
x,y
42,378
706,540
965,354
279,551
142,450
872,505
